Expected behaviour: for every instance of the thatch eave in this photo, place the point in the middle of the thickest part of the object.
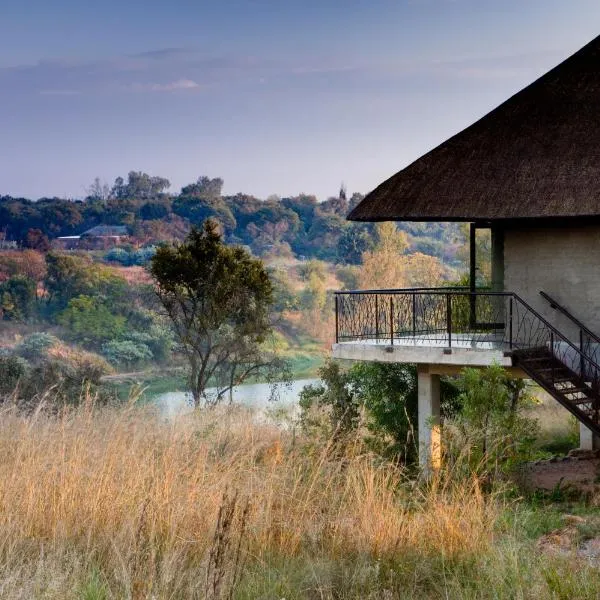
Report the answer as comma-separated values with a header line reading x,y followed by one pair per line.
x,y
536,156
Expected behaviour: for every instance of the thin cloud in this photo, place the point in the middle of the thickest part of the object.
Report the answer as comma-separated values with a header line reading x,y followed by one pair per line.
x,y
180,84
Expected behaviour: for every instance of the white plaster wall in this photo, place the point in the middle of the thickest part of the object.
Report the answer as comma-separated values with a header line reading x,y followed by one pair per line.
x,y
564,263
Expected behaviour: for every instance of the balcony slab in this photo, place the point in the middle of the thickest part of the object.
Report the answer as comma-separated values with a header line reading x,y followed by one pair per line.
x,y
473,351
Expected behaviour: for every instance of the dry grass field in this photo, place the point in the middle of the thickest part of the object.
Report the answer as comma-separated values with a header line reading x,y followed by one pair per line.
x,y
101,503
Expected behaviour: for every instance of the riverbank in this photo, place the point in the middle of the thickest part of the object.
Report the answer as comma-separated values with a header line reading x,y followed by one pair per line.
x,y
155,382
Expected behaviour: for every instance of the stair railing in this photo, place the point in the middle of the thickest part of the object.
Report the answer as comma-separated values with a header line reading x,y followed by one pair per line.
x,y
589,342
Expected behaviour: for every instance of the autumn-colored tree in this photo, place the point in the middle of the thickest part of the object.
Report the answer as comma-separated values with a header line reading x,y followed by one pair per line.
x,y
27,263
383,266
388,266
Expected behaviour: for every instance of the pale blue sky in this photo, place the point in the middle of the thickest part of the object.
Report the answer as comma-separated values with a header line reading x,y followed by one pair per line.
x,y
275,96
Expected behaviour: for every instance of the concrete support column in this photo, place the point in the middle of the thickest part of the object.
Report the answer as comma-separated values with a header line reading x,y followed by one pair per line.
x,y
587,439
429,420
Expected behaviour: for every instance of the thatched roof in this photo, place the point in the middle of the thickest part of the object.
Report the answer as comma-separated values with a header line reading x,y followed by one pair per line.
x,y
535,156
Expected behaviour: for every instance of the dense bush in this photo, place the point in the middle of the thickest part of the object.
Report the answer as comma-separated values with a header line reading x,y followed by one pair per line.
x,y
129,258
34,346
126,352
13,369
384,394
91,321
17,298
491,427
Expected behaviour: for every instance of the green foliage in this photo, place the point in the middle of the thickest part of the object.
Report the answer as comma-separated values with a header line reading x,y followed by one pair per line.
x,y
390,396
139,186
12,370
35,346
126,352
218,299
67,379
492,425
89,320
71,275
17,299
283,296
153,210
354,242
349,275
387,395
127,258
333,399
310,228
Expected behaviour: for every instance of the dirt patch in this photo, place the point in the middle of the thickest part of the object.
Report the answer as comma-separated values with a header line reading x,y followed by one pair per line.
x,y
575,540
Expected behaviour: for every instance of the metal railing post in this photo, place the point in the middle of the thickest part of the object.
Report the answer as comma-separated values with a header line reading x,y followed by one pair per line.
x,y
449,319
376,317
581,365
510,324
414,315
552,352
337,332
391,320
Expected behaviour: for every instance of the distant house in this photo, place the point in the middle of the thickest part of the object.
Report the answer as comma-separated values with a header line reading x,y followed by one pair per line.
x,y
101,236
115,233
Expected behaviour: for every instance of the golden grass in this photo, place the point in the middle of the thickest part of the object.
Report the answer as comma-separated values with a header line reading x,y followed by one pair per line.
x,y
126,502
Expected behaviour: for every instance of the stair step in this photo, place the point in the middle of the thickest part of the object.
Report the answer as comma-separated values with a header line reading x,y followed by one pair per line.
x,y
575,390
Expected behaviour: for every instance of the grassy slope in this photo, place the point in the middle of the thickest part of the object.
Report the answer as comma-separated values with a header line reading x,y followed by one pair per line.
x,y
120,503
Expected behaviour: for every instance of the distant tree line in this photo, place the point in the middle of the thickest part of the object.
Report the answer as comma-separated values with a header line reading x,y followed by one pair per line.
x,y
298,225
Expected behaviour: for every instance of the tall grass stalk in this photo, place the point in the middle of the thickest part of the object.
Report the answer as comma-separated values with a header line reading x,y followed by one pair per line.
x,y
116,503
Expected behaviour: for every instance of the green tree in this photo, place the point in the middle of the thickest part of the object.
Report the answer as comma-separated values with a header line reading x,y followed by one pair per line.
x,y
387,395
91,321
335,398
354,242
492,420
17,299
218,299
70,275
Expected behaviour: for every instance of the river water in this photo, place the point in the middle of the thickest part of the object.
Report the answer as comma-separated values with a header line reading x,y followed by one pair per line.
x,y
261,396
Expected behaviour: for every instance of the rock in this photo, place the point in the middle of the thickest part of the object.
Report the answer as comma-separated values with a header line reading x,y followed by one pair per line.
x,y
573,520
583,454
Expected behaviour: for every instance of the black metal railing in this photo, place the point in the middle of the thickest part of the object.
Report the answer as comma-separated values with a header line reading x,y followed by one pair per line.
x,y
587,340
434,315
454,317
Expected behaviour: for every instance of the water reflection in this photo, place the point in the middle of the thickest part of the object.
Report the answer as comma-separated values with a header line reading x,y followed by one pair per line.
x,y
255,395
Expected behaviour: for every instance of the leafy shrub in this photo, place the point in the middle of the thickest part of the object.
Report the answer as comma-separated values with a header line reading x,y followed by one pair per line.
x,y
34,346
12,370
90,320
126,352
386,393
128,258
17,298
491,428
330,407
143,256
61,380
119,255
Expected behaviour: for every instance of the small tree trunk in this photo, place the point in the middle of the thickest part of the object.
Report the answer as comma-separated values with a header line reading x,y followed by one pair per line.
x,y
195,384
196,396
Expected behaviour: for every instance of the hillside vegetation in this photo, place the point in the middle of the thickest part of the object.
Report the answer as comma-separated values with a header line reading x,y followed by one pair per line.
x,y
299,226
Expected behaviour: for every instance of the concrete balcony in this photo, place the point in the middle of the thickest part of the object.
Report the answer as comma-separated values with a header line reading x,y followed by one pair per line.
x,y
441,326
